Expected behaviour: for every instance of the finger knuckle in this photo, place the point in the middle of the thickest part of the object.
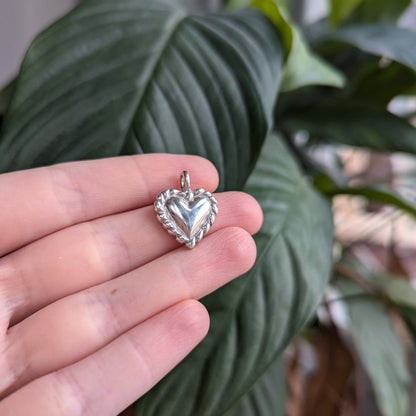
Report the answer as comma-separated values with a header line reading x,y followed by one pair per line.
x,y
194,318
238,246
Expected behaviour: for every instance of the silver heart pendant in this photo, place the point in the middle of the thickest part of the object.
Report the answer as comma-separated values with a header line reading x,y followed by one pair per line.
x,y
186,214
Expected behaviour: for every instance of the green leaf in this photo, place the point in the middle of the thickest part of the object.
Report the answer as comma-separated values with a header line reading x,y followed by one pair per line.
x,y
6,94
379,11
400,294
254,317
268,397
366,11
238,4
379,84
355,124
341,9
136,76
277,11
379,350
395,291
409,316
384,40
305,68
282,5
398,291
375,193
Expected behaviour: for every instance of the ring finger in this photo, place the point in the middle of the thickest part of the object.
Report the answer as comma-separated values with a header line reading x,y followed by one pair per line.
x,y
76,326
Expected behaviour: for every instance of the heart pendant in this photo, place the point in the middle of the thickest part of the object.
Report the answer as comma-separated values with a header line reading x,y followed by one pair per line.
x,y
186,214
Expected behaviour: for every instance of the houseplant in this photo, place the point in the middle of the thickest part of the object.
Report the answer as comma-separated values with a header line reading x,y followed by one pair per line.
x,y
236,86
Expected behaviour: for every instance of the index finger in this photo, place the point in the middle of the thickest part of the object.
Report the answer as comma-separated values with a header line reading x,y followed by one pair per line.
x,y
37,202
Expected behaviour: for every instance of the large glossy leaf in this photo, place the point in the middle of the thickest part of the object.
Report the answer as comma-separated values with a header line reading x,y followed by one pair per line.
x,y
303,67
377,193
355,124
255,317
365,11
278,13
268,397
379,11
379,350
379,84
195,6
5,97
398,293
341,9
402,296
379,39
283,5
129,76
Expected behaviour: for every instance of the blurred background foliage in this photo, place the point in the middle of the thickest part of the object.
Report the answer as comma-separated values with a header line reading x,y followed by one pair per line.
x,y
310,107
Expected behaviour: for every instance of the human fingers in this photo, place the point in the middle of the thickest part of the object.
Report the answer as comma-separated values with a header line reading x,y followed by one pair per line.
x,y
40,201
74,327
107,381
90,253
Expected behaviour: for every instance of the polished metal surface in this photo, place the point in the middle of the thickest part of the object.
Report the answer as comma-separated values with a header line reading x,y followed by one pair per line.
x,y
186,214
189,216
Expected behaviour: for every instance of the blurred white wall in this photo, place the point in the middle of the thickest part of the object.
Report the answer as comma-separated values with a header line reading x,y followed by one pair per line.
x,y
20,20
315,10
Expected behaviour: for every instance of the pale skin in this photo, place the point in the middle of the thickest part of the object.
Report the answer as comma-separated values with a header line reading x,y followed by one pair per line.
x,y
97,301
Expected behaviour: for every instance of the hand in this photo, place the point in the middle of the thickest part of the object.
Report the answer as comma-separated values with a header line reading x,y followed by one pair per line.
x,y
96,299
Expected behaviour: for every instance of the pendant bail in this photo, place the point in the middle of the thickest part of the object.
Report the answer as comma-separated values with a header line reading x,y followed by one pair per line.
x,y
185,182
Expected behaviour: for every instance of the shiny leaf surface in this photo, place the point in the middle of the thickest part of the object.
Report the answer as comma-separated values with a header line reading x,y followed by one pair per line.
x,y
379,11
379,39
379,84
303,67
268,397
377,193
355,124
365,11
341,9
132,76
256,316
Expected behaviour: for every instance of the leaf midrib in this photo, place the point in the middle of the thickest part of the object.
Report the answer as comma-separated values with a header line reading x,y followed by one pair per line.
x,y
175,21
264,251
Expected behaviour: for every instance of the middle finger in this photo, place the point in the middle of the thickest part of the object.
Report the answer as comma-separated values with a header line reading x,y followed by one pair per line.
x,y
90,253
